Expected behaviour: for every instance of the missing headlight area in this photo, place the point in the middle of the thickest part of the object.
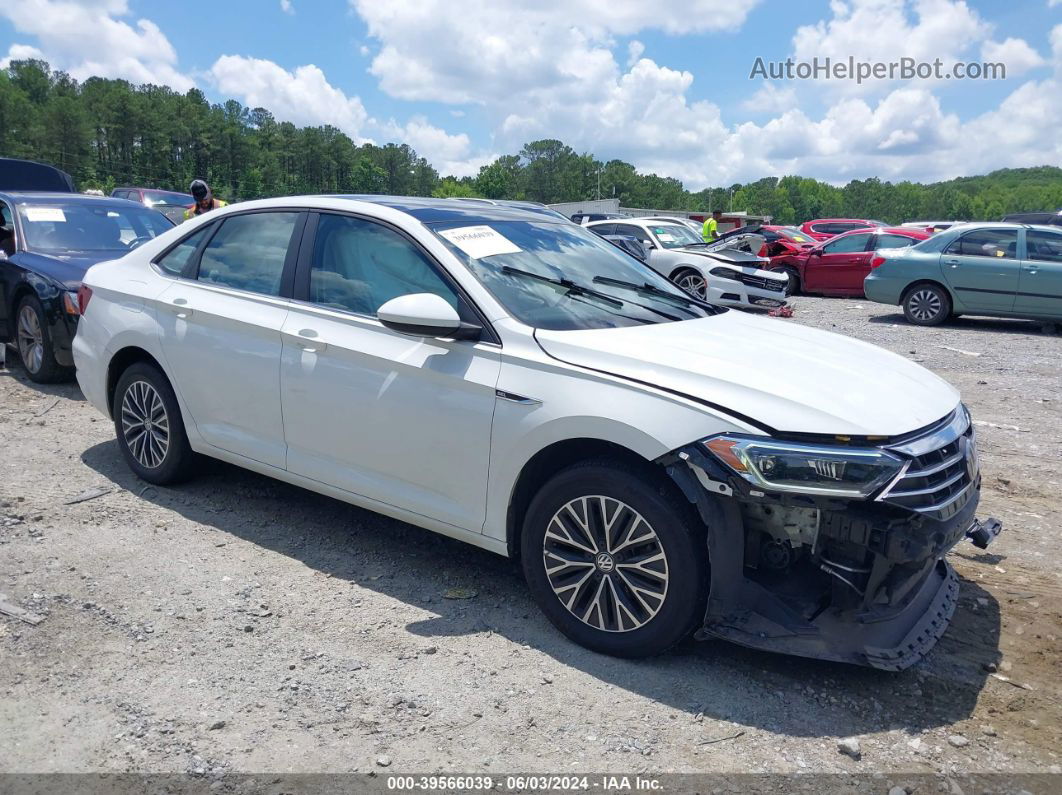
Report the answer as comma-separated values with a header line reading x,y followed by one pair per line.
x,y
853,580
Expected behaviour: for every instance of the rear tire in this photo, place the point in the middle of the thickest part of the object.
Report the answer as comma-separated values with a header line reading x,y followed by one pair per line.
x,y
616,559
33,339
147,421
926,305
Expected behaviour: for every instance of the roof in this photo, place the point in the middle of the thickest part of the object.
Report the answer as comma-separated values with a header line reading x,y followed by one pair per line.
x,y
16,174
35,197
429,210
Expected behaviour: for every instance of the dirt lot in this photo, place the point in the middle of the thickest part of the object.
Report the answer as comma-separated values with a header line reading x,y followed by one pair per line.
x,y
239,624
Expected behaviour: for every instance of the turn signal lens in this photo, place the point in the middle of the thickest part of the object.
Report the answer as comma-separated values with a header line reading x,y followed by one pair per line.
x,y
71,304
724,450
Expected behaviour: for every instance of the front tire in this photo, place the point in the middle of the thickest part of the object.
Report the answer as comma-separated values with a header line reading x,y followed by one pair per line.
x,y
692,282
616,559
147,420
926,305
34,342
792,287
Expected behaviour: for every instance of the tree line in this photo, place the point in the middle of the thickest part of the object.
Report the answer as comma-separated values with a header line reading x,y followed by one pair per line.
x,y
108,133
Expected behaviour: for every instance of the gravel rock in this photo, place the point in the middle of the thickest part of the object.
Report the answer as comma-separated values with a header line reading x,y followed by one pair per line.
x,y
383,761
849,746
957,741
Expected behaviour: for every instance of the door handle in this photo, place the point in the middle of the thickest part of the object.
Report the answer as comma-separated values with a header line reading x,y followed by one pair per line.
x,y
307,340
181,308
953,262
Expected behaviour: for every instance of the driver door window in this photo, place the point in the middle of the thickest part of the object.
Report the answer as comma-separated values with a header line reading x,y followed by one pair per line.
x,y
359,265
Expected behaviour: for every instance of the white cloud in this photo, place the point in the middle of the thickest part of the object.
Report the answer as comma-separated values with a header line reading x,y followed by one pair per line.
x,y
303,96
20,52
1016,54
886,31
88,38
287,7
556,74
490,50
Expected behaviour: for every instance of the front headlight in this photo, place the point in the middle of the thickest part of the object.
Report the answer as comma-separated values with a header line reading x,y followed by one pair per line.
x,y
827,471
724,272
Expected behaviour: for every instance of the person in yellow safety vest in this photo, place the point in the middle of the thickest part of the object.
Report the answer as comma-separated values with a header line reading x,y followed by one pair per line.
x,y
710,230
204,200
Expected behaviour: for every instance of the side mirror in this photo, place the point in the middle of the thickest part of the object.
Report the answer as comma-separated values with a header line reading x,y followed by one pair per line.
x,y
425,315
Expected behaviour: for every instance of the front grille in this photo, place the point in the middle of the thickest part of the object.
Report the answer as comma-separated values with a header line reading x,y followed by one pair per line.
x,y
940,481
762,283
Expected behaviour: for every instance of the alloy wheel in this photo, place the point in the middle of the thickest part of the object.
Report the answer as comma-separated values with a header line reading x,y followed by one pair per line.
x,y
145,424
924,305
30,339
692,283
605,564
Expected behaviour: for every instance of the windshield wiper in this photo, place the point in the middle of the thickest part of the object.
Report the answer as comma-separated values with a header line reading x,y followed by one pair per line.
x,y
647,289
569,286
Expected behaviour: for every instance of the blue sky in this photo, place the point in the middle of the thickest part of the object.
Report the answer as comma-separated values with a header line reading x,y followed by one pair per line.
x,y
664,85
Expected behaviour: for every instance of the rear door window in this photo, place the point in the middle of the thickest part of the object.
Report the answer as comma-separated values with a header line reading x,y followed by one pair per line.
x,y
1043,246
248,252
847,245
895,241
177,258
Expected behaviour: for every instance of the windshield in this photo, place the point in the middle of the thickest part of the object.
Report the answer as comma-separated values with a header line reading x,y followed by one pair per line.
x,y
563,277
674,235
154,197
794,234
85,226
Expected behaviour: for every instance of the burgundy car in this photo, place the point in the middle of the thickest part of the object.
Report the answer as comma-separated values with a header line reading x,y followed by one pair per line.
x,y
825,228
838,266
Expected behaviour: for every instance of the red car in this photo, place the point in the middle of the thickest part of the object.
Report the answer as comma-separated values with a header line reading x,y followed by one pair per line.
x,y
825,228
780,241
838,266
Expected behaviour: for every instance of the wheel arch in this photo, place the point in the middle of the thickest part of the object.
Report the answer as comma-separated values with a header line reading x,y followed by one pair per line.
x,y
686,266
547,462
920,282
121,361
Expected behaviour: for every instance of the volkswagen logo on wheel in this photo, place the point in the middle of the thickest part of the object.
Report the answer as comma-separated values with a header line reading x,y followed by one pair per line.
x,y
604,562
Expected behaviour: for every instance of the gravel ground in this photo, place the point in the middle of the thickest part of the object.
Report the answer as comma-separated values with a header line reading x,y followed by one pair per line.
x,y
240,624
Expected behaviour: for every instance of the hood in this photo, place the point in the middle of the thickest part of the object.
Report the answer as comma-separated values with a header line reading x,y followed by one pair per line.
x,y
788,377
67,268
731,256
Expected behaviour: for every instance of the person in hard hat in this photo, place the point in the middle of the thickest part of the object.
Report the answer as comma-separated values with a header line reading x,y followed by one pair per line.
x,y
710,230
204,200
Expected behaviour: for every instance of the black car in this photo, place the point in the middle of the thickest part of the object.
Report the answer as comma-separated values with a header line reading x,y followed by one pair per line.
x,y
47,242
1049,218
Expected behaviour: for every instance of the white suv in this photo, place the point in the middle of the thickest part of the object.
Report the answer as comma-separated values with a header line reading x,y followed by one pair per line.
x,y
507,378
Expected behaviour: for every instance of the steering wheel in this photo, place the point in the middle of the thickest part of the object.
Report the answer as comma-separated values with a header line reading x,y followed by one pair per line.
x,y
138,241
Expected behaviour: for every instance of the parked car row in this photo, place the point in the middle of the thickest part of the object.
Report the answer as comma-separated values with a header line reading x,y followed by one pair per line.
x,y
726,276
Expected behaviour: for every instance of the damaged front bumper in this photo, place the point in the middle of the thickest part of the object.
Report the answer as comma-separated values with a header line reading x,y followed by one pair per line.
x,y
857,581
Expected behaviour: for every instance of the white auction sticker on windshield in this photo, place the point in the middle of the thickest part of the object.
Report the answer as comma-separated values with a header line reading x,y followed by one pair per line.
x,y
480,241
53,214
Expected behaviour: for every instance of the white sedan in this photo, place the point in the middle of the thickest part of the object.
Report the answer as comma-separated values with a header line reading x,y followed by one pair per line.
x,y
720,276
502,376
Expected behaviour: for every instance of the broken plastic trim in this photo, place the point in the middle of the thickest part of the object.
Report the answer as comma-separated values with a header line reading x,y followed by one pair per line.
x,y
902,545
